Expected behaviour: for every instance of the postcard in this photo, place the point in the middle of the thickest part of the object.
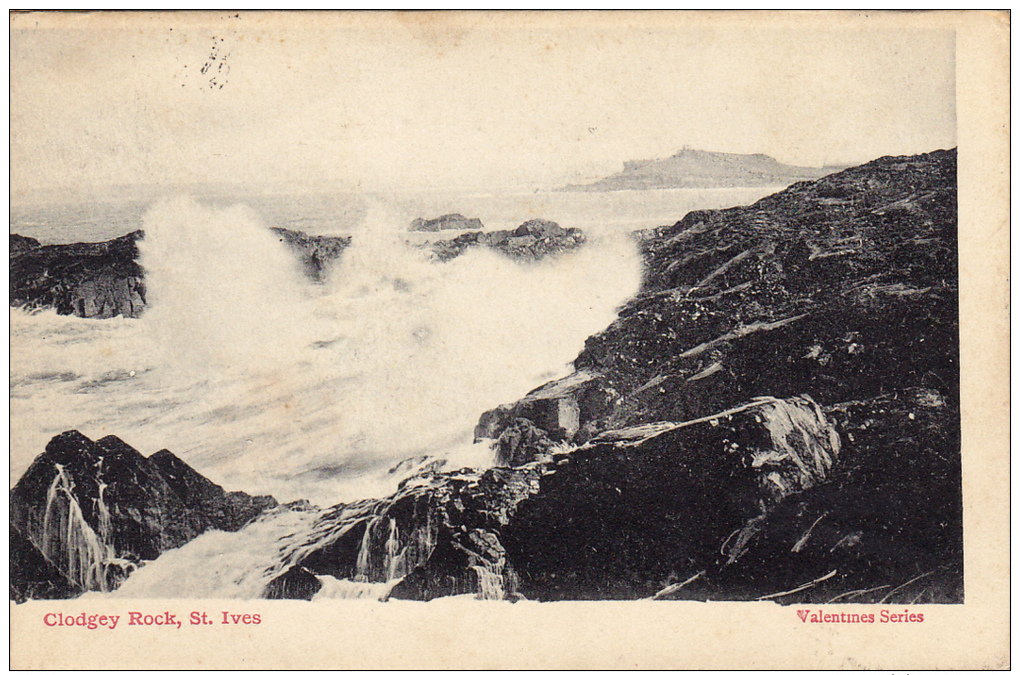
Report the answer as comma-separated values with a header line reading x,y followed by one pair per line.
x,y
459,340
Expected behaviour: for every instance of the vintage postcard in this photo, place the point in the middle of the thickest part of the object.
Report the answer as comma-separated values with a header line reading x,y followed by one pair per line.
x,y
509,340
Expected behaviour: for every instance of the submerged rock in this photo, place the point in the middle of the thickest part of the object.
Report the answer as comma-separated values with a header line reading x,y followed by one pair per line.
x,y
450,221
96,509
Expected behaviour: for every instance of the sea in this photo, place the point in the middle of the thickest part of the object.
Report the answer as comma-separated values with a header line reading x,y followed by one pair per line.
x,y
269,383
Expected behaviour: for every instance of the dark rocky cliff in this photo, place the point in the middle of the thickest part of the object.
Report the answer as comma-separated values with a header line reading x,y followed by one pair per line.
x,y
775,415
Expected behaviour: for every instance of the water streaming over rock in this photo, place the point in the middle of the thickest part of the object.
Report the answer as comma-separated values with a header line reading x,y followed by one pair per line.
x,y
345,589
490,584
69,542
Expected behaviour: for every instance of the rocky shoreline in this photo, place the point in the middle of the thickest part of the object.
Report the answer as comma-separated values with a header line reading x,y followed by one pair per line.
x,y
774,416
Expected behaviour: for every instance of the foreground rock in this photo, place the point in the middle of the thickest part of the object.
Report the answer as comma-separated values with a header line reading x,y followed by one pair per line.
x,y
95,510
774,416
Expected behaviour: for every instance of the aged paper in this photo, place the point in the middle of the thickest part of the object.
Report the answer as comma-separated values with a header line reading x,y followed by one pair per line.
x,y
761,430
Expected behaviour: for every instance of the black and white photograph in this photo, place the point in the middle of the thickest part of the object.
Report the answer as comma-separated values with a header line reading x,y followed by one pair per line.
x,y
417,315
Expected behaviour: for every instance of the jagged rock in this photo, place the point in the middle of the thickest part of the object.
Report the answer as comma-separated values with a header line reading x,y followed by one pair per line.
x,y
450,221
317,253
227,511
532,240
94,510
75,475
32,576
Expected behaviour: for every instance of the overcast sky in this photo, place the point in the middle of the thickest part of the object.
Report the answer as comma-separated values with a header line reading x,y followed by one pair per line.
x,y
462,102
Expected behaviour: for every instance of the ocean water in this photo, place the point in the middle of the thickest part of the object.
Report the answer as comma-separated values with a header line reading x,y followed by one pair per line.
x,y
65,221
268,383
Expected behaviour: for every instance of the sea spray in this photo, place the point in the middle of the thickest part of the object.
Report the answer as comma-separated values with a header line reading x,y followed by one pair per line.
x,y
224,564
269,383
224,293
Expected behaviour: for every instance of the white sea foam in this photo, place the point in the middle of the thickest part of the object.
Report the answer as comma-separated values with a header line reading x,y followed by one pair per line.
x,y
268,383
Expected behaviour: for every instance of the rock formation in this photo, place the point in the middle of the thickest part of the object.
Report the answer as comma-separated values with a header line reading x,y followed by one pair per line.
x,y
104,280
316,253
532,240
92,280
450,221
96,510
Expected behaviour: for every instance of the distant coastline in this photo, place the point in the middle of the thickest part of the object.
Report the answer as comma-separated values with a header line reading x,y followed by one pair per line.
x,y
690,168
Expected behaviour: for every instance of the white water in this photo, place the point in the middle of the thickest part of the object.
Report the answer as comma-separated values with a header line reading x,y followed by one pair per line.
x,y
268,383
68,541
223,564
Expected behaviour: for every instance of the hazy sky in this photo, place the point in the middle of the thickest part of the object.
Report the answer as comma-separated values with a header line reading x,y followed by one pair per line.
x,y
459,102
